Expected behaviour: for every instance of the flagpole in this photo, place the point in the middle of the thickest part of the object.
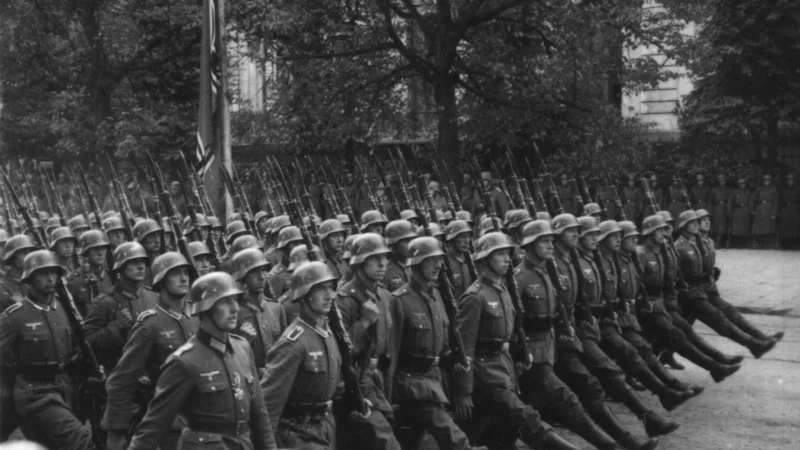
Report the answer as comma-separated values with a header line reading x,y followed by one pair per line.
x,y
224,124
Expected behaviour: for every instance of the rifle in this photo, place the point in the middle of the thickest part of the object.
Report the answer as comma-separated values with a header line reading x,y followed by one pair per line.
x,y
311,219
366,178
347,207
94,385
265,192
193,181
456,200
388,187
125,212
46,191
411,185
248,210
323,181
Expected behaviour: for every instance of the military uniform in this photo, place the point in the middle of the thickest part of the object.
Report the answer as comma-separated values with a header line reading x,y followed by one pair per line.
x,y
700,196
12,289
301,378
279,280
764,205
678,202
214,386
486,322
158,333
107,328
718,207
461,276
790,213
269,321
86,286
397,275
739,212
371,354
38,349
609,194
336,264
632,198
420,339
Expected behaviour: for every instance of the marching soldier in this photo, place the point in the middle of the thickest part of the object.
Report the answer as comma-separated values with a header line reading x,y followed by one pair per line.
x,y
39,353
62,244
701,193
718,203
211,381
115,230
111,316
486,395
458,234
411,216
332,233
764,208
632,198
242,242
278,278
92,278
568,196
698,303
157,333
514,221
261,322
677,202
398,234
78,225
739,213
658,196
303,367
373,221
364,305
12,289
148,233
275,227
790,214
202,257
298,256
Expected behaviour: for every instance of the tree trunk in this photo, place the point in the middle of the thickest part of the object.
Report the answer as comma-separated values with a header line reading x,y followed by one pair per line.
x,y
447,115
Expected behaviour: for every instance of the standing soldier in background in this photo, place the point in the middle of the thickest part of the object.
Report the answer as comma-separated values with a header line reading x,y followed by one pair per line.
x,y
701,193
78,225
202,257
677,202
157,333
111,316
718,204
790,214
92,278
568,197
148,232
499,199
115,231
739,214
364,305
331,233
12,289
303,368
658,196
457,235
632,198
278,278
211,381
261,322
398,234
764,208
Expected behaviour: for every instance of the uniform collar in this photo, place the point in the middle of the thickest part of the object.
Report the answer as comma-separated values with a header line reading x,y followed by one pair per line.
x,y
51,305
495,284
126,295
163,306
307,321
258,305
221,347
458,256
417,286
531,265
362,286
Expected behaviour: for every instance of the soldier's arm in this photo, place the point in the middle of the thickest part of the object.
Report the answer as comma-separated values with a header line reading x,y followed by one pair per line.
x,y
103,333
467,322
122,382
351,319
283,361
173,389
263,436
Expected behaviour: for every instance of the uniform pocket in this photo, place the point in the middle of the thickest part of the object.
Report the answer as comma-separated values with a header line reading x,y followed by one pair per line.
x,y
420,332
199,440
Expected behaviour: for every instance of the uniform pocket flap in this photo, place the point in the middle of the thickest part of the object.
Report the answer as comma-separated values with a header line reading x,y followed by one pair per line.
x,y
210,388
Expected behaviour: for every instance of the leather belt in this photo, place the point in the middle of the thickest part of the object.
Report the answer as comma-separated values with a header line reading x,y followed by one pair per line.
x,y
307,411
538,324
239,428
40,371
654,289
417,363
695,279
491,348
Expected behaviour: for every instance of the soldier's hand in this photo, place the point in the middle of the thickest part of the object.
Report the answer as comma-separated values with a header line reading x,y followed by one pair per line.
x,y
463,406
127,313
369,313
116,440
125,319
248,329
358,415
524,365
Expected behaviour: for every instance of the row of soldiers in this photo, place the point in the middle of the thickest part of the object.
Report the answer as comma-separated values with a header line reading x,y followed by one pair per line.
x,y
284,330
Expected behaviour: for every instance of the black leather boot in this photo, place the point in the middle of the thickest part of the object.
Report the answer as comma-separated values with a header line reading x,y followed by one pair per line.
x,y
668,359
609,422
655,425
760,347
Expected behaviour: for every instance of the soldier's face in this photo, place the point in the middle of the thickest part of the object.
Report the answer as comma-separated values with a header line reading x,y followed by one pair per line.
x,y
44,281
569,238
705,224
335,241
543,247
65,247
151,242
461,243
77,232
629,244
262,224
375,228
700,181
176,282
589,241
414,221
96,256
374,267
767,181
613,241
668,230
658,235
320,298
19,257
216,233
693,226
430,268
225,313
135,270
256,279
499,261
202,264
116,237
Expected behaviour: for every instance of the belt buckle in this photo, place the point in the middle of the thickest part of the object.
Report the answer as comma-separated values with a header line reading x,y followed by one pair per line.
x,y
242,427
435,362
505,347
373,363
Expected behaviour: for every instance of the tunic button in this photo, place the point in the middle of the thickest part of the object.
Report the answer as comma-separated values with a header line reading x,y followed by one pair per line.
x,y
201,439
213,388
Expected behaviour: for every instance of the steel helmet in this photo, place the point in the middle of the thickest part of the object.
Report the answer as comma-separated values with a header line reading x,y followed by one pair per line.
x,y
439,216
591,209
455,228
299,255
14,223
188,223
372,217
365,245
36,224
344,219
246,260
244,242
280,223
348,245
59,234
491,242
436,230
166,262
109,213
209,289
408,214
44,216
92,239
563,222
113,223
15,244
535,230
145,227
128,251
330,226
260,215
489,224
287,235
308,275
465,216
702,213
422,248
77,222
53,223
685,218
609,227
397,230
543,215
268,225
38,260
197,248
307,220
588,225
233,217
3,236
203,220
516,218
214,222
234,229
628,229
653,223
667,216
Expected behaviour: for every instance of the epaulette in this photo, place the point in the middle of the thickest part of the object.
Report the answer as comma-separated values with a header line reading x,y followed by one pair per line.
x,y
145,314
295,333
277,269
185,348
517,270
402,291
74,274
12,308
473,288
236,336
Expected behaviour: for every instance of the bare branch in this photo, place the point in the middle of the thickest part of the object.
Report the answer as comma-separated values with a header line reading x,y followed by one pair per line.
x,y
343,54
485,16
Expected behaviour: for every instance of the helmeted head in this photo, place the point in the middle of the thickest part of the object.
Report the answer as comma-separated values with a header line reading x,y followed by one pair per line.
x,y
211,288
246,260
299,255
422,248
145,228
93,239
373,221
489,224
366,245
290,235
685,220
40,260
53,223
77,224
332,233
516,218
399,230
165,263
347,246
308,276
244,242
458,234
592,209
543,215
465,216
537,239
19,244
491,242
280,223
234,229
128,252
410,215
